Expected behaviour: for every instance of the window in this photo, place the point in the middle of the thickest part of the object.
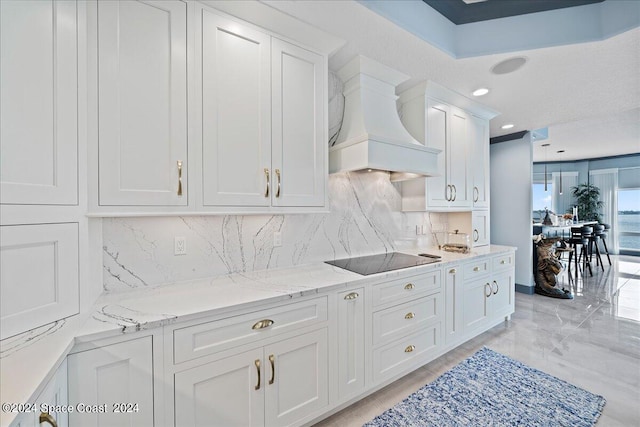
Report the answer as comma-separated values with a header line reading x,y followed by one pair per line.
x,y
629,220
541,200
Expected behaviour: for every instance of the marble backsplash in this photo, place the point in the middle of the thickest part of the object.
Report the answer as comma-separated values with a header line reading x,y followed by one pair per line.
x,y
365,218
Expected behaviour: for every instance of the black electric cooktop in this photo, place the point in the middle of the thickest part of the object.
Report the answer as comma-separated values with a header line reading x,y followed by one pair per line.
x,y
372,264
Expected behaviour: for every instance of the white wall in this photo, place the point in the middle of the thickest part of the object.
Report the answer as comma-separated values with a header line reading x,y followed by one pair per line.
x,y
511,200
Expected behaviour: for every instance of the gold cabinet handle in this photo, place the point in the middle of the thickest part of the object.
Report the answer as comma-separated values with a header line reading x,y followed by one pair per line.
x,y
503,261
476,194
265,323
278,189
409,349
351,296
447,193
179,177
476,235
46,417
409,286
257,362
272,360
409,316
452,271
486,285
455,193
476,268
497,288
266,173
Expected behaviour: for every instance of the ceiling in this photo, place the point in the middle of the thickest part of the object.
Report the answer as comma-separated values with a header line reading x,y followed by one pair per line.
x,y
581,92
467,11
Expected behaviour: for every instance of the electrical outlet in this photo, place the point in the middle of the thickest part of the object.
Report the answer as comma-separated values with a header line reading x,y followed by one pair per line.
x,y
180,246
277,239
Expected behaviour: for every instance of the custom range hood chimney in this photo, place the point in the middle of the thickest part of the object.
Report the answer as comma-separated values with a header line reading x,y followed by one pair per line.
x,y
372,136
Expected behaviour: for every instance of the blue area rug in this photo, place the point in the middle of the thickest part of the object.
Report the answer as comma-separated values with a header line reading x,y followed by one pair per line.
x,y
491,389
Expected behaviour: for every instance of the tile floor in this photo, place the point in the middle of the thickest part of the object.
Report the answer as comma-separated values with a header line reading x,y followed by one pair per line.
x,y
592,341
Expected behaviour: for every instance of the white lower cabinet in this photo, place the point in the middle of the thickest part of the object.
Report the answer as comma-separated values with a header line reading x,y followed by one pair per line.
x,y
351,343
48,404
475,304
113,385
453,292
279,384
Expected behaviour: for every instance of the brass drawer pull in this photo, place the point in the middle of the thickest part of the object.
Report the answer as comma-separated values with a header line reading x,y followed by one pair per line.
x,y
409,349
452,271
262,324
278,189
179,177
409,286
266,191
409,316
272,360
257,362
46,417
351,296
476,268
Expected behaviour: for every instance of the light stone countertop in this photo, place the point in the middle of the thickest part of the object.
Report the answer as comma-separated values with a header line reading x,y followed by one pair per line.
x,y
29,360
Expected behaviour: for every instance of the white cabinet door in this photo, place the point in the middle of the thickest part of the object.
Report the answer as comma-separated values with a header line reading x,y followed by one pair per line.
x,y
453,324
438,116
476,312
458,161
142,110
233,68
480,224
228,392
502,294
296,378
299,143
39,109
479,161
55,395
39,275
117,373
351,360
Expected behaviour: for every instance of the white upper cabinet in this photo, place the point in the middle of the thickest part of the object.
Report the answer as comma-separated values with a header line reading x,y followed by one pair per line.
x,y
39,108
479,138
262,118
299,142
233,68
142,103
443,119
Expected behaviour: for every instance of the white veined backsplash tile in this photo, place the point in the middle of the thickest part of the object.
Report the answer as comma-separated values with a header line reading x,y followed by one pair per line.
x,y
365,218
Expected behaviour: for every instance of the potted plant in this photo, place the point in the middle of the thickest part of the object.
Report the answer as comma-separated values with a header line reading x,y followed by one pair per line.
x,y
587,198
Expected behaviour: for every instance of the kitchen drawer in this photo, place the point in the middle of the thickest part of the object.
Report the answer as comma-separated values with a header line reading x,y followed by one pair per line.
x,y
393,322
476,268
503,262
408,288
403,354
207,338
39,269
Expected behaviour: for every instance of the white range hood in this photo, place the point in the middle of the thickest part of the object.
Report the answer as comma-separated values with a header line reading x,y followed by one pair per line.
x,y
372,136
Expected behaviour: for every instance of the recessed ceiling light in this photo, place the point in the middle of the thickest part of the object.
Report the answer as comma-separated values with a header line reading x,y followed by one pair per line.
x,y
508,126
509,65
481,91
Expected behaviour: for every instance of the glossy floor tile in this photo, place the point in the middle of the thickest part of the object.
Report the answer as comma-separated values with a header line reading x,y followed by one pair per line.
x,y
592,341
